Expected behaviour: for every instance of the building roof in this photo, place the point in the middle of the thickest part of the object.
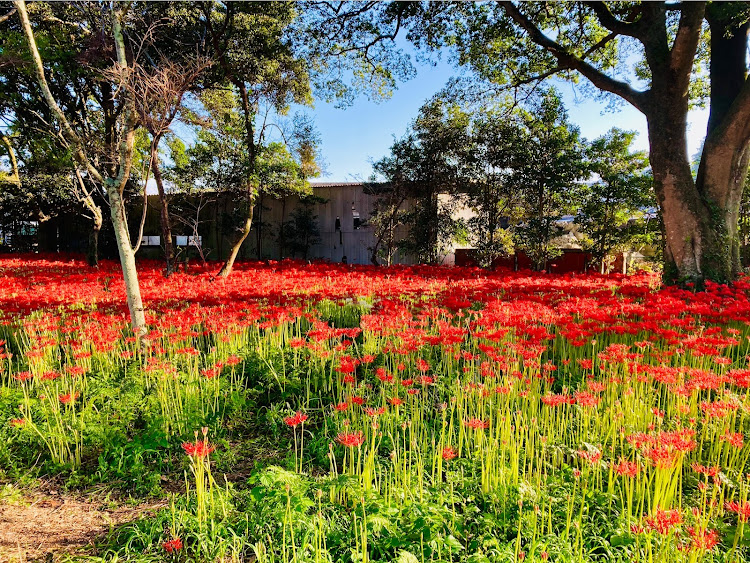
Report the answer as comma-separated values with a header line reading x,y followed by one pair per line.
x,y
334,184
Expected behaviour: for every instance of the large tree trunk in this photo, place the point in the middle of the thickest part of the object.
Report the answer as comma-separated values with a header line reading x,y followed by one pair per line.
x,y
166,229
701,215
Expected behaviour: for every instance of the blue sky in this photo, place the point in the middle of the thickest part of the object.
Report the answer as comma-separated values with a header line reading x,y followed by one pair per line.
x,y
355,136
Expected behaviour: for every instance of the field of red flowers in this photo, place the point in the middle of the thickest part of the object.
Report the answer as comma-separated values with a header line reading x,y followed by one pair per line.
x,y
328,412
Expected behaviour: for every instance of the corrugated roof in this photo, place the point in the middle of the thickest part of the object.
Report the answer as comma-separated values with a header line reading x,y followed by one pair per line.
x,y
334,184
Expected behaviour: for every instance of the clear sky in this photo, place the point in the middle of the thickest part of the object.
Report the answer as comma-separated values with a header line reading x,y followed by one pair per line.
x,y
354,137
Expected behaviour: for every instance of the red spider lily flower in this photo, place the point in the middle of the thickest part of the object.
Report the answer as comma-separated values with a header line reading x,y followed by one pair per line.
x,y
384,376
741,508
413,391
422,365
663,521
295,420
349,379
449,453
358,400
23,376
351,439
68,398
626,468
50,375
210,373
17,422
367,359
555,400
395,401
198,449
704,470
374,412
592,458
172,545
233,361
586,399
736,439
703,539
341,407
477,423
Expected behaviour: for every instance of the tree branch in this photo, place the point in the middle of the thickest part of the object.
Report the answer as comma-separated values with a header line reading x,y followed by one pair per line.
x,y
71,135
611,22
568,61
8,15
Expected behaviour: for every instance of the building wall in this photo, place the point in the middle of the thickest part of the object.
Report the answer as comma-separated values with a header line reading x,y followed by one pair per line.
x,y
331,201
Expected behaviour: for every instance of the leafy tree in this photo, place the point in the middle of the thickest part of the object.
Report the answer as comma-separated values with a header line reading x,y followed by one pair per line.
x,y
548,176
114,171
427,166
687,53
615,203
387,215
494,196
254,55
301,232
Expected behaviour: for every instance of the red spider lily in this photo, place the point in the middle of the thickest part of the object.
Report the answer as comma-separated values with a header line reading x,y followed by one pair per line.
x,y
736,439
374,412
23,376
703,539
358,400
555,400
198,449
233,361
663,521
592,458
707,471
172,545
477,423
449,453
296,419
395,401
68,398
341,407
49,376
351,439
17,422
627,468
741,508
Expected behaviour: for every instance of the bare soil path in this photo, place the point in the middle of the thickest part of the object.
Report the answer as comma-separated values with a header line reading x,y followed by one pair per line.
x,y
44,526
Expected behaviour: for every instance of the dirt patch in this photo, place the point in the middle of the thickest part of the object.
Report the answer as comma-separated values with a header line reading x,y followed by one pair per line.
x,y
44,527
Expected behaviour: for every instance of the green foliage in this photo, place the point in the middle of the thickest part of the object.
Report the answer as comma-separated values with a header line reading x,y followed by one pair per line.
x,y
616,207
300,233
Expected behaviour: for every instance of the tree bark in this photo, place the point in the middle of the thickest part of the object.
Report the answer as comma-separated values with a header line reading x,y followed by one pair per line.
x,y
93,248
114,181
166,229
226,269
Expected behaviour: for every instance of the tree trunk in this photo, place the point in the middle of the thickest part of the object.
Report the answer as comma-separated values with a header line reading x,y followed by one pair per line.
x,y
93,248
259,233
127,260
700,215
166,229
226,269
